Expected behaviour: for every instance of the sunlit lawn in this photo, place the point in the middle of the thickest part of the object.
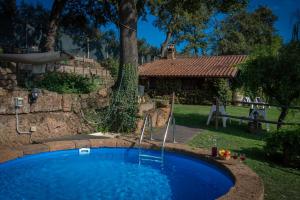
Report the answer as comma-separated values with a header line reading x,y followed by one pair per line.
x,y
280,182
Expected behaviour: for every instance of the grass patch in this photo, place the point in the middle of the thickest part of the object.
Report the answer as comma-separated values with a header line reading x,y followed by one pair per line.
x,y
280,182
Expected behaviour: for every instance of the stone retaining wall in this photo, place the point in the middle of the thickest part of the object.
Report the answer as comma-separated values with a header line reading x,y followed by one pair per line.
x,y
159,116
53,115
8,78
248,185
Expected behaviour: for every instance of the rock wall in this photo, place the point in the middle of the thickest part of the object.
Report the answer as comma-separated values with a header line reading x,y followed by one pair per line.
x,y
159,116
8,78
52,115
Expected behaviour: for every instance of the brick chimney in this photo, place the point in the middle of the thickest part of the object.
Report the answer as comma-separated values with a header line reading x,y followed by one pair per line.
x,y
171,51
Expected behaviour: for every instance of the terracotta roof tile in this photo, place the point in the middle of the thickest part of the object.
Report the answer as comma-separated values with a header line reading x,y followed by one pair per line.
x,y
212,66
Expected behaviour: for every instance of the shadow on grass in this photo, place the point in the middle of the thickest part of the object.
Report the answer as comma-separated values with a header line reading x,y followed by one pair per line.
x,y
234,128
253,153
258,154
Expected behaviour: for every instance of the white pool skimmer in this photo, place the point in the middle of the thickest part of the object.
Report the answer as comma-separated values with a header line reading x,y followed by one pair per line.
x,y
84,151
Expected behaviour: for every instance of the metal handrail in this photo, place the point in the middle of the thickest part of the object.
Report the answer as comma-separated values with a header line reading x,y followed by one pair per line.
x,y
166,132
144,127
171,118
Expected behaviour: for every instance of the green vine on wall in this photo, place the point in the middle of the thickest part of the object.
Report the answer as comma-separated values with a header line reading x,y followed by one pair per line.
x,y
121,114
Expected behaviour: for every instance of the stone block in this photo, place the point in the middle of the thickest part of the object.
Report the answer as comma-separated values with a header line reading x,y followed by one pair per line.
x,y
109,143
162,118
103,143
139,126
7,102
3,92
103,92
95,143
47,102
60,145
67,100
9,154
81,143
33,148
2,71
11,76
153,118
145,107
124,143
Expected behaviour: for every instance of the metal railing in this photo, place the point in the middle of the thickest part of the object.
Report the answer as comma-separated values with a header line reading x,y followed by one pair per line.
x,y
148,122
218,115
170,119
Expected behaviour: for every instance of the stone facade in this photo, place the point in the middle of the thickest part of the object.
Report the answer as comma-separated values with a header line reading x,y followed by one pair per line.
x,y
53,115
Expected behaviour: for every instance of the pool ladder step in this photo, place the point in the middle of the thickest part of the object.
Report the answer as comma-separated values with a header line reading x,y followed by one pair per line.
x,y
145,157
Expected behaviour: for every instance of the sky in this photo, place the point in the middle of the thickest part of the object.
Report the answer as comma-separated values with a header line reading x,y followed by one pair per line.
x,y
283,9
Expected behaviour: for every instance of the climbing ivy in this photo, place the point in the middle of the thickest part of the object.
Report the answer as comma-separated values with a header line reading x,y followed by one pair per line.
x,y
121,114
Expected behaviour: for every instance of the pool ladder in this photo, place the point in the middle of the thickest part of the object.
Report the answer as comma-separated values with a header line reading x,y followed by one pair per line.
x,y
148,123
142,156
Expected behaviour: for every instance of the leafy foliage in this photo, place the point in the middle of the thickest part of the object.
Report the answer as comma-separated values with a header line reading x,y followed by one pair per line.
x,y
146,49
121,114
184,21
296,26
285,144
68,83
20,21
275,73
112,65
241,32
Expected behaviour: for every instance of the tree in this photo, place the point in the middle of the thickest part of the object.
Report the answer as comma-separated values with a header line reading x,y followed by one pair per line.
x,y
128,27
242,32
276,73
8,20
173,16
146,50
296,26
53,24
22,26
192,32
31,24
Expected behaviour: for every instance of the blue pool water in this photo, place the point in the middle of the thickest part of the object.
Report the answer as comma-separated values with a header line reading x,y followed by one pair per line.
x,y
111,173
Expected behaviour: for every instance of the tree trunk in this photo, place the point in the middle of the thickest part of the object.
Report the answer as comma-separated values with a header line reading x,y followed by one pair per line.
x,y
164,45
283,114
128,35
49,41
8,25
196,51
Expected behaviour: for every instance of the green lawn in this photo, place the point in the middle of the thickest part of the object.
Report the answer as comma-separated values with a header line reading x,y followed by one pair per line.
x,y
280,182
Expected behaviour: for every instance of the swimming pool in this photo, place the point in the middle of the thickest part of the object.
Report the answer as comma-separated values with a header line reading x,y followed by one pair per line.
x,y
111,173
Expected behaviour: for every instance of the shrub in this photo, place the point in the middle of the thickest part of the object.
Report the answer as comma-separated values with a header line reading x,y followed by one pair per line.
x,y
221,86
67,83
285,144
113,66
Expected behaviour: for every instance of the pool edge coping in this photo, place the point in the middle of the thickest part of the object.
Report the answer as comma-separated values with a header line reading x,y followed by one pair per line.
x,y
248,185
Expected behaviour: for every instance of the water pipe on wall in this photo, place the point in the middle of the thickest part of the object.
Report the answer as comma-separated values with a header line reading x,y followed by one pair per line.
x,y
18,105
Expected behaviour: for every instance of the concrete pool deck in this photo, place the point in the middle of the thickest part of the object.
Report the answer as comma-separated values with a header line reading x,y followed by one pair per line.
x,y
248,185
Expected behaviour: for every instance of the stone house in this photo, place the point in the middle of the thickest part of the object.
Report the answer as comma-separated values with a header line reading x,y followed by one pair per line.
x,y
194,79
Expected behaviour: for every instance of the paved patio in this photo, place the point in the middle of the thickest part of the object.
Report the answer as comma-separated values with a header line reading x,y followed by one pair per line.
x,y
182,134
